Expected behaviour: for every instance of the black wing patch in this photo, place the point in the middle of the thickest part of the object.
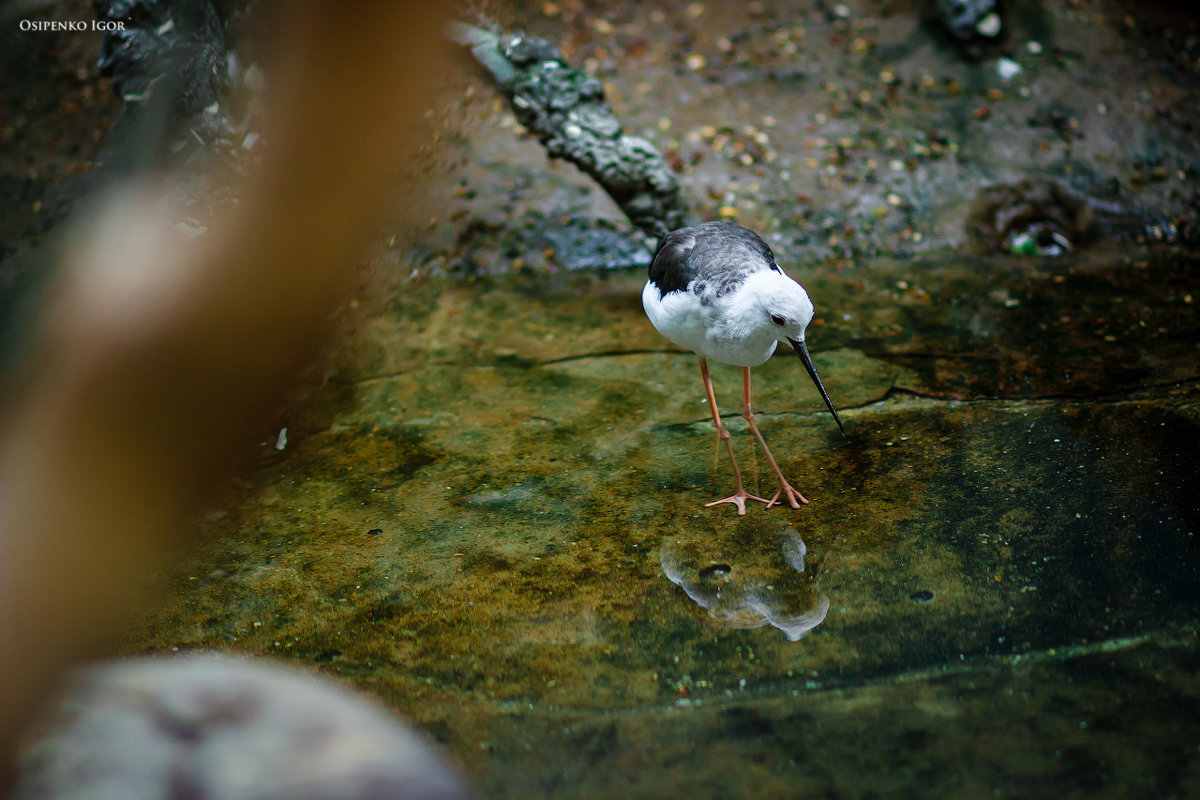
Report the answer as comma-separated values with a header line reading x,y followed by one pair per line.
x,y
669,270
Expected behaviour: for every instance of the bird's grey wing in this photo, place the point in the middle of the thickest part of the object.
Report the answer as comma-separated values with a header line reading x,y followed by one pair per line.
x,y
724,256
670,270
739,249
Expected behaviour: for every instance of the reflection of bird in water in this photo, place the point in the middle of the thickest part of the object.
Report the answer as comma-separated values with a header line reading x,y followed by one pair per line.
x,y
715,288
751,589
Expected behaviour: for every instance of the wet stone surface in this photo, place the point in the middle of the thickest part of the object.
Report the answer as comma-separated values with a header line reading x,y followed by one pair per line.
x,y
489,513
485,531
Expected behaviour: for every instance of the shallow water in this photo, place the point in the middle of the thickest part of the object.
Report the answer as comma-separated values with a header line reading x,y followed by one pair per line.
x,y
487,531
490,513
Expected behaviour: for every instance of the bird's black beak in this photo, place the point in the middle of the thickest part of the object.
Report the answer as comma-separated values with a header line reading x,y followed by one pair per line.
x,y
802,351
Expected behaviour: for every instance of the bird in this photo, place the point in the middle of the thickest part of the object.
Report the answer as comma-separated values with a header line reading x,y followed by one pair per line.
x,y
716,289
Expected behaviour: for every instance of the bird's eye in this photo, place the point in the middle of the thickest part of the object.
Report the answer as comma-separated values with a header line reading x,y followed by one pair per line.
x,y
778,320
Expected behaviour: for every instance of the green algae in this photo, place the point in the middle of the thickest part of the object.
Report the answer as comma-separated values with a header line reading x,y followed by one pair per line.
x,y
480,505
479,538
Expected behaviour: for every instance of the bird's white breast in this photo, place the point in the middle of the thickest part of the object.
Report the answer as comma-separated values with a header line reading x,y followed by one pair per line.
x,y
708,329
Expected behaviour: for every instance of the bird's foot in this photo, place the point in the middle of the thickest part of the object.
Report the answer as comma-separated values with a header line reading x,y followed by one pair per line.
x,y
739,500
793,496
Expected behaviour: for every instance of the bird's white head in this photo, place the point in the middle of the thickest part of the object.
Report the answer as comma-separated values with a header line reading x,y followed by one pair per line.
x,y
784,309
774,306
788,308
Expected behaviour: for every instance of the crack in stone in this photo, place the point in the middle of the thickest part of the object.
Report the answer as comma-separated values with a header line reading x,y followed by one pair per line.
x,y
892,391
1119,395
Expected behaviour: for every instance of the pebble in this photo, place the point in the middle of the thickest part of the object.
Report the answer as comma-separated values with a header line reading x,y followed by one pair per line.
x,y
1008,69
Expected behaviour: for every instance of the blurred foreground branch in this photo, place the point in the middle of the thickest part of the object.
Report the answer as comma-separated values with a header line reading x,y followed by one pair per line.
x,y
157,356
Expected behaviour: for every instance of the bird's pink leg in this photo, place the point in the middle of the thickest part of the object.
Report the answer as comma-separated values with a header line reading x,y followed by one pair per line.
x,y
740,497
785,488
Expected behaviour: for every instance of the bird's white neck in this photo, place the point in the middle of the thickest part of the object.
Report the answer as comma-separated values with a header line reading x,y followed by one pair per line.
x,y
743,333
